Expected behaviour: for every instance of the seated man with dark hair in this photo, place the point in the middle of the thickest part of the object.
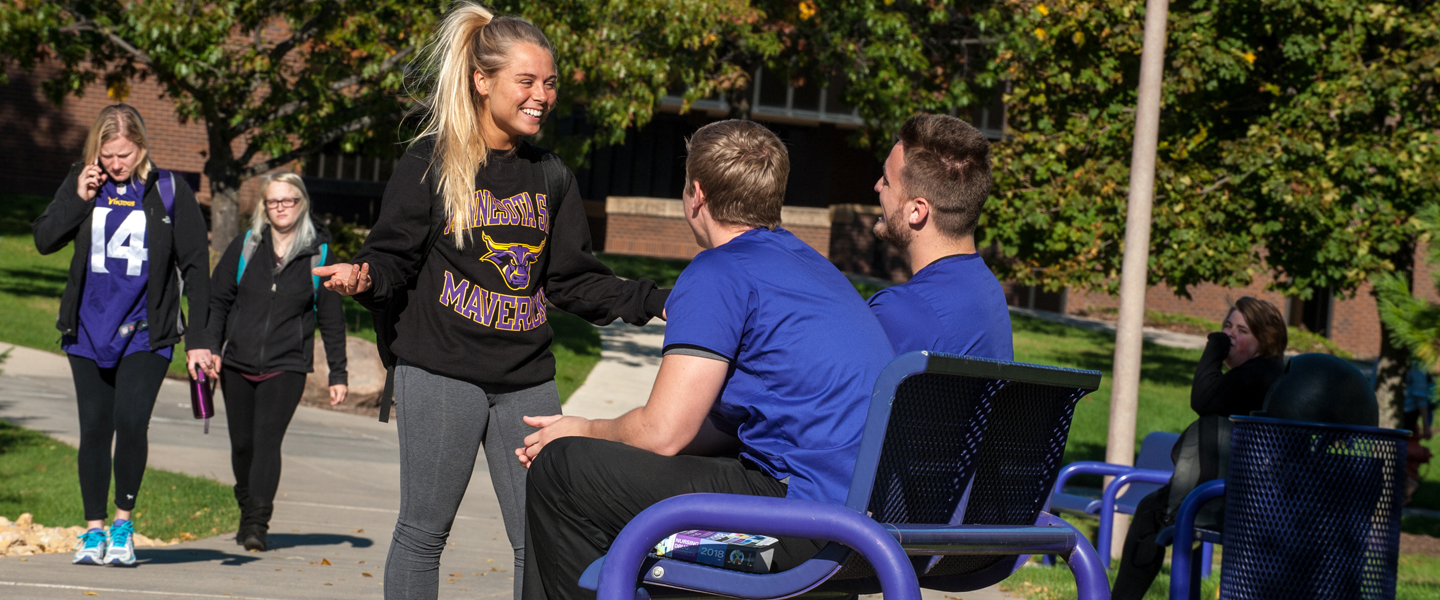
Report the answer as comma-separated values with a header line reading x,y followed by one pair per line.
x,y
932,189
768,351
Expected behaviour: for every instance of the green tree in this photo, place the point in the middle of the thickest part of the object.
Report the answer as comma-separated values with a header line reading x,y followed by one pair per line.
x,y
1297,137
276,80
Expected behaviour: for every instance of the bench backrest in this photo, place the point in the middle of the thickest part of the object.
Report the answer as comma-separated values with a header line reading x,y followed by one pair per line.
x,y
953,440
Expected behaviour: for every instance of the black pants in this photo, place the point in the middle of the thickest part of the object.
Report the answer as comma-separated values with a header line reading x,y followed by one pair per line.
x,y
582,492
257,415
115,405
1141,558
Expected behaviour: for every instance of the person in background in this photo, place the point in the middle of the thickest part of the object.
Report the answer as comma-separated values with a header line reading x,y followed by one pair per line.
x,y
140,239
1419,417
932,190
1251,347
265,306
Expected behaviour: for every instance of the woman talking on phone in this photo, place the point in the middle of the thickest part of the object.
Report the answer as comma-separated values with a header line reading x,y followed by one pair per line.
x,y
140,243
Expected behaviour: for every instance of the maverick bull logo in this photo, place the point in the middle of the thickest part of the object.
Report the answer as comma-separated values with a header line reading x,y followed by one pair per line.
x,y
513,260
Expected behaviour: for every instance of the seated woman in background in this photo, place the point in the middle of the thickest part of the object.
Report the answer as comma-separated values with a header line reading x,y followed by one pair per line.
x,y
1252,344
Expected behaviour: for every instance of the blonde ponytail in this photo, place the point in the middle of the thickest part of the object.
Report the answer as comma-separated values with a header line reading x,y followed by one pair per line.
x,y
469,39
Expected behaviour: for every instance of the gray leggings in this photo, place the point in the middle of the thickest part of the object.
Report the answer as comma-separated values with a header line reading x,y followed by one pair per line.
x,y
443,423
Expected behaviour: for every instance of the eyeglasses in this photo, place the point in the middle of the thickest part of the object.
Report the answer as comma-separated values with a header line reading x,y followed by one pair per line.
x,y
285,202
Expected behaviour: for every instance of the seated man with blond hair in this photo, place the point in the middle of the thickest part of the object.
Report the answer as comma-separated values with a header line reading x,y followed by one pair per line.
x,y
770,357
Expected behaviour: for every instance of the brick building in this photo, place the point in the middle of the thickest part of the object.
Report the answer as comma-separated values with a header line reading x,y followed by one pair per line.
x,y
632,189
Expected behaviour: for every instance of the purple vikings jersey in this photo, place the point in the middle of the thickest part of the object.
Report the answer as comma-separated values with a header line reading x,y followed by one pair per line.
x,y
116,276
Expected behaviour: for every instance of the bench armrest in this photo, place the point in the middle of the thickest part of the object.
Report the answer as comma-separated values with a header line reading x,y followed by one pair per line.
x,y
755,514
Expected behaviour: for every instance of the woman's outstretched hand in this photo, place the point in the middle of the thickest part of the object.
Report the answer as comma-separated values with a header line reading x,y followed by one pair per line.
x,y
344,278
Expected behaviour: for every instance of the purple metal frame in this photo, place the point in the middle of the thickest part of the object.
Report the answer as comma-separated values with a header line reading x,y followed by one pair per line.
x,y
1182,552
886,547
1105,508
774,516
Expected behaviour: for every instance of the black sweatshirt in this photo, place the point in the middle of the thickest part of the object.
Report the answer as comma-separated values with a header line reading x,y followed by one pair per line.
x,y
1237,392
478,314
266,322
176,250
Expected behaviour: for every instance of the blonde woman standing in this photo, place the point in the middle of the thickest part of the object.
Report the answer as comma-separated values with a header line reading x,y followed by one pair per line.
x,y
137,232
473,343
264,310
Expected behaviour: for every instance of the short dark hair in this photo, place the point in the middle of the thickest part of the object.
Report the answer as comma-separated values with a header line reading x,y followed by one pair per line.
x,y
948,163
1266,324
743,167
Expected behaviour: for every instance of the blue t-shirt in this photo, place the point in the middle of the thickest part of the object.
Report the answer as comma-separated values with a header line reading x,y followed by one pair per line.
x,y
804,354
953,305
116,276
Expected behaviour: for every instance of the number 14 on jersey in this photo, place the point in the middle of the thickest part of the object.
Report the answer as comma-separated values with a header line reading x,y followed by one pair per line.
x,y
128,243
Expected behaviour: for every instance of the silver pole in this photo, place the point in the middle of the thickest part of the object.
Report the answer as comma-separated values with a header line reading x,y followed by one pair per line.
x,y
1125,386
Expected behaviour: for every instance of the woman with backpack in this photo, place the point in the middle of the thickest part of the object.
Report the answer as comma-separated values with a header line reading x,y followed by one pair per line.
x,y
140,243
264,309
478,231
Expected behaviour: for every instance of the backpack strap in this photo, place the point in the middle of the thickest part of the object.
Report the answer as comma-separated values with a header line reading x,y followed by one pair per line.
x,y
166,181
317,261
556,176
247,251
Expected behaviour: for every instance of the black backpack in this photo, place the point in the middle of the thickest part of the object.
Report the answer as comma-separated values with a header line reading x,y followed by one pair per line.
x,y
556,179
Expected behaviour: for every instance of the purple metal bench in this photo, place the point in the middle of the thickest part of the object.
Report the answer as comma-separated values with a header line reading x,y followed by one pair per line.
x,y
955,468
1153,468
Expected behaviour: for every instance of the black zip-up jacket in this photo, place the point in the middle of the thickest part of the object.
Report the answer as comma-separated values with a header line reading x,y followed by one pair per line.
x,y
1237,392
176,251
478,314
266,322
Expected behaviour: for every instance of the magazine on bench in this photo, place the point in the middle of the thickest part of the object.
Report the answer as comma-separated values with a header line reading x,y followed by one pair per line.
x,y
735,551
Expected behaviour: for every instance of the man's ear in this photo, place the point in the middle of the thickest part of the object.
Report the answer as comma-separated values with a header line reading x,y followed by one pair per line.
x,y
698,198
919,212
482,83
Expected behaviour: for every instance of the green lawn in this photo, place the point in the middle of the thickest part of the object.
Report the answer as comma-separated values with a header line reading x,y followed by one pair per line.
x,y
38,475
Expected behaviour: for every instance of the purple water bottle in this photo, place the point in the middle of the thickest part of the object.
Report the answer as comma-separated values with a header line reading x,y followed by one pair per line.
x,y
202,397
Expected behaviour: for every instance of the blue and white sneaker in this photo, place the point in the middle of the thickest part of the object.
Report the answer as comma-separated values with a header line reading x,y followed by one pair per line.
x,y
92,548
121,549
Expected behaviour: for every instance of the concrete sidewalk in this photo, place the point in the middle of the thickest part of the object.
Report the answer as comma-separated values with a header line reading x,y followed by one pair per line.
x,y
338,501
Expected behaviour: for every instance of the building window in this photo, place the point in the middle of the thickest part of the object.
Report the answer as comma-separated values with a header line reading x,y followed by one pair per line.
x,y
354,167
1312,315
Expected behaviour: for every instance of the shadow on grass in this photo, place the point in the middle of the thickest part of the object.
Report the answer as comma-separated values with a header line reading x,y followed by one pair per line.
x,y
178,556
282,541
17,211
33,282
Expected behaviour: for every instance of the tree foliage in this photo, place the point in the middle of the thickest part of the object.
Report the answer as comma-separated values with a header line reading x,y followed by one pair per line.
x,y
1297,137
1413,323
276,80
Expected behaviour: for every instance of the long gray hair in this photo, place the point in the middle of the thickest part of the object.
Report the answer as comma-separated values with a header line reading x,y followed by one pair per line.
x,y
304,228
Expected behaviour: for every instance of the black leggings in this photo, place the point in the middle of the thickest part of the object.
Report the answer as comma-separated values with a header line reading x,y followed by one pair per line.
x,y
115,405
257,415
1141,558
582,491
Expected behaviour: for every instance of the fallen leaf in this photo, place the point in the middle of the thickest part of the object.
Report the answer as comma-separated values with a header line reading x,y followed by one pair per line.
x,y
92,594
325,561
358,531
366,575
